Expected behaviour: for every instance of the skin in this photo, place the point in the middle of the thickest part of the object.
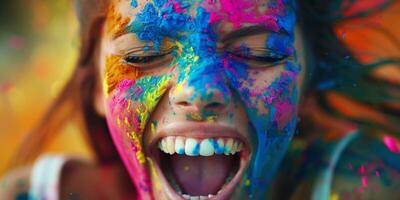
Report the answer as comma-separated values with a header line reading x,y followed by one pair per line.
x,y
88,181
257,99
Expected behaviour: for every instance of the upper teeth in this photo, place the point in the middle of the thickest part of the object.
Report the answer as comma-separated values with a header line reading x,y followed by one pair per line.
x,y
202,147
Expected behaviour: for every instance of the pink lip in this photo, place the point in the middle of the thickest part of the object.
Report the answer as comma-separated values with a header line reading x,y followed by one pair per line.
x,y
201,130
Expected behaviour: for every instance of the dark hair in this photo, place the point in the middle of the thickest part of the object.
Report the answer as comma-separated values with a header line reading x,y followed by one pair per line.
x,y
332,69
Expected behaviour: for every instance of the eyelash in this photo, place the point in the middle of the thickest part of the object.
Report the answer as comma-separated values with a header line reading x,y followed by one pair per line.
x,y
142,59
136,59
267,60
261,59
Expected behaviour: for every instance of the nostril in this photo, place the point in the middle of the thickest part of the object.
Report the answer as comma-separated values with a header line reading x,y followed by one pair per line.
x,y
183,104
214,106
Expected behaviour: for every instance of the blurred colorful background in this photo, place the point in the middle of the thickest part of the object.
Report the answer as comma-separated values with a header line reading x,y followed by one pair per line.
x,y
39,42
38,50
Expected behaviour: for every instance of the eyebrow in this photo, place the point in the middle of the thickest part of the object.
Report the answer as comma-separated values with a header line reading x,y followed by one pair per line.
x,y
244,32
120,32
233,35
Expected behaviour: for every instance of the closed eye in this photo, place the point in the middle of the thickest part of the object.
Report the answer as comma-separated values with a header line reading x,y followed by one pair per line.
x,y
142,59
258,57
148,59
261,59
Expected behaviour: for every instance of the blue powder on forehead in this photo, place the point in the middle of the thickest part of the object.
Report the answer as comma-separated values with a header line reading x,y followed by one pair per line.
x,y
134,3
286,18
202,37
159,3
283,41
159,20
173,22
146,24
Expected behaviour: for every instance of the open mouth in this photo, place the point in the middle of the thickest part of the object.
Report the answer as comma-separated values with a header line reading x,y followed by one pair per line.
x,y
200,168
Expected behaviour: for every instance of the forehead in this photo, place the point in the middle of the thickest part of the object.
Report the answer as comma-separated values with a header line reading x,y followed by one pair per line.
x,y
274,15
128,8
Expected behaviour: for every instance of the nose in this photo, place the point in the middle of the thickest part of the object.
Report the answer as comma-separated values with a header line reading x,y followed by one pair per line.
x,y
205,97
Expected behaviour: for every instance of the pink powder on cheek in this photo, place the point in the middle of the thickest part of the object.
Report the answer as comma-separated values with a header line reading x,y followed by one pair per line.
x,y
117,99
120,105
124,124
136,170
125,84
284,113
129,109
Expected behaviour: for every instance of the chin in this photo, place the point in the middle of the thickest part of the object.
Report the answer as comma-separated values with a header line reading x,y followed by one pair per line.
x,y
197,161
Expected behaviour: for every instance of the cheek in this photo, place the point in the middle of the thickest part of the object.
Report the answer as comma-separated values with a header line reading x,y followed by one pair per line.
x,y
128,109
115,72
269,95
270,99
123,119
132,101
280,99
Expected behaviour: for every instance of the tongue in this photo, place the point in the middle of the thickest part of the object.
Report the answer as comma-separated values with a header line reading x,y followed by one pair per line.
x,y
200,175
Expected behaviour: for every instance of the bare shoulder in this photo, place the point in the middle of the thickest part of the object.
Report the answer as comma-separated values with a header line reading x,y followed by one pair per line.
x,y
367,169
15,184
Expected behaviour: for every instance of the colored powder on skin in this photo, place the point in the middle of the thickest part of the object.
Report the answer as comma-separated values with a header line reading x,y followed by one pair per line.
x,y
148,22
116,71
142,182
261,168
136,146
148,90
267,125
282,42
159,3
117,23
142,94
284,112
157,22
198,64
239,12
177,7
134,3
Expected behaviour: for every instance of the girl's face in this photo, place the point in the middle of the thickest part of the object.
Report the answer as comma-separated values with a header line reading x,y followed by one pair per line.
x,y
201,96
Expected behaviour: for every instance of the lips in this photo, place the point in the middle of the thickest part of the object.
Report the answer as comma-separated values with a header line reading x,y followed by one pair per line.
x,y
198,160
